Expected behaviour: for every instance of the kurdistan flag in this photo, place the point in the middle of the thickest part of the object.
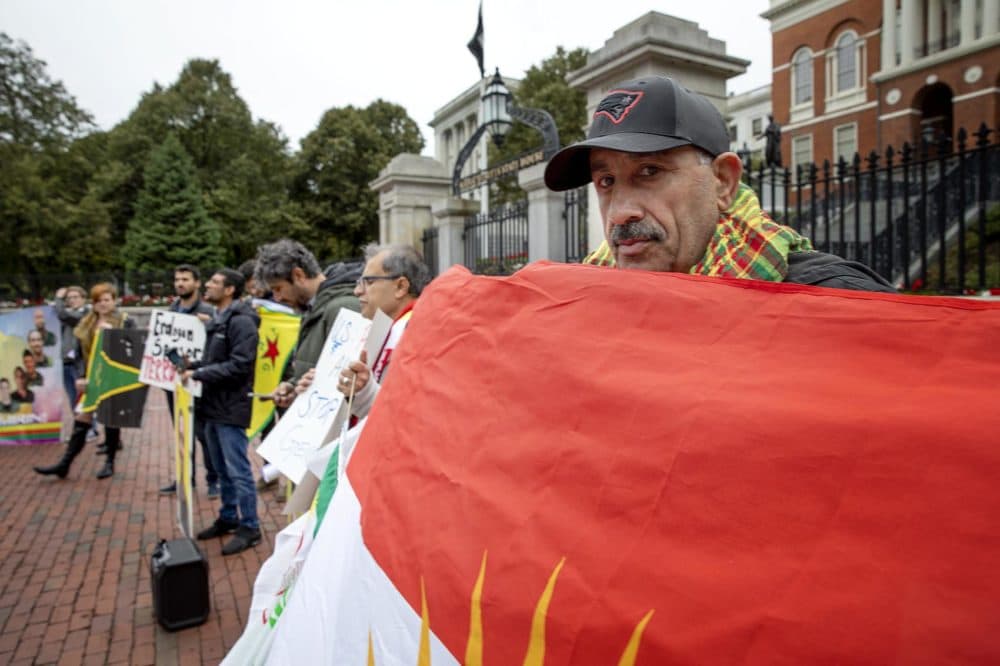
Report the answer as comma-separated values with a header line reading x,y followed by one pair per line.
x,y
277,334
576,465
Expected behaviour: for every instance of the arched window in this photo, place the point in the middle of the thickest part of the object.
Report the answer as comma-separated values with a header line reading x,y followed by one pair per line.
x,y
846,62
802,77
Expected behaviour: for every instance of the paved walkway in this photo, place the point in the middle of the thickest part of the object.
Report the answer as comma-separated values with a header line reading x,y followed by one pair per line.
x,y
74,557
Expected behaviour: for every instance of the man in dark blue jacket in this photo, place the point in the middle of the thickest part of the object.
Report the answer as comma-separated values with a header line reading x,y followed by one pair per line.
x,y
226,373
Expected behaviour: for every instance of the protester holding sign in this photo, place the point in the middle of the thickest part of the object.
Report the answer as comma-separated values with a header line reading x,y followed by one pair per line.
x,y
104,315
187,287
394,277
226,373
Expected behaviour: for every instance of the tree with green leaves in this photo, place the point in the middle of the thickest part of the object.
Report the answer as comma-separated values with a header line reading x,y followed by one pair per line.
x,y
333,170
45,163
243,166
171,225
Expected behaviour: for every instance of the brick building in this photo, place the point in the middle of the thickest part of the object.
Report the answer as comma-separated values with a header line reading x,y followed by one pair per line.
x,y
845,80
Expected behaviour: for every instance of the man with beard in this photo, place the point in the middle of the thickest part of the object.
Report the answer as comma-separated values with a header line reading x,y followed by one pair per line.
x,y
31,369
187,287
293,276
226,374
671,198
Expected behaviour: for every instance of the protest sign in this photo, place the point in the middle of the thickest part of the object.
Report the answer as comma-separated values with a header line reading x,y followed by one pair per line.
x,y
32,398
183,441
576,464
306,424
171,331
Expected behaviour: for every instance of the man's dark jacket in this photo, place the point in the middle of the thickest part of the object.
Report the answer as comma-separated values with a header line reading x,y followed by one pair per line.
x,y
828,270
226,368
336,292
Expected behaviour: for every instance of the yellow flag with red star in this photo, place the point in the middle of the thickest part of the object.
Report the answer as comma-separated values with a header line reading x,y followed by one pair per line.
x,y
277,333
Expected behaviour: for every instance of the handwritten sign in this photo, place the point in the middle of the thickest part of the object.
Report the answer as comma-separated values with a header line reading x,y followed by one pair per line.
x,y
306,424
171,330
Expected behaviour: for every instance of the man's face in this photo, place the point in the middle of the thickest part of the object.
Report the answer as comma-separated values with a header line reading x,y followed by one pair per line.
x,y
215,289
74,299
185,285
29,365
377,293
39,319
295,293
4,391
660,209
20,379
35,342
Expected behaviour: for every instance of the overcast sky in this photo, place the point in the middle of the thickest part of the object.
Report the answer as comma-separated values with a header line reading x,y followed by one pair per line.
x,y
291,60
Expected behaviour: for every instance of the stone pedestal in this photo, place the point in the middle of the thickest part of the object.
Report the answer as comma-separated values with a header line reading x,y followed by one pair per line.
x,y
546,224
449,215
407,187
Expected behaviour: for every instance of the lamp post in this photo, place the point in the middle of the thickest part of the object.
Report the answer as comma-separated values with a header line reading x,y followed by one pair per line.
x,y
496,102
498,115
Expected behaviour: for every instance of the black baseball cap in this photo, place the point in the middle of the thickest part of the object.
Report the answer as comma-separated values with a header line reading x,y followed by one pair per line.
x,y
641,116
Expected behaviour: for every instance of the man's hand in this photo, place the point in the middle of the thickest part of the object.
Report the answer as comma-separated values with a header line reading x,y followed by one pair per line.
x,y
81,385
356,373
204,317
60,292
284,394
305,382
186,375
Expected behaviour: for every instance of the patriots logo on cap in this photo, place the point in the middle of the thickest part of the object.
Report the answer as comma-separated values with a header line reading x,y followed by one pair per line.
x,y
617,104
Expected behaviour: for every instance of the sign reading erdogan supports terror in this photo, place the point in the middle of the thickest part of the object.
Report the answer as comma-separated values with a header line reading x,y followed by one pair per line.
x,y
171,331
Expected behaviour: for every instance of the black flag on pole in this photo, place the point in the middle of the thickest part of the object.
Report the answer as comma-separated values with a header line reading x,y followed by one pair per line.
x,y
476,43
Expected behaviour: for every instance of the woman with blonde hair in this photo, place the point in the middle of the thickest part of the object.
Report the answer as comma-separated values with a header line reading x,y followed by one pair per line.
x,y
103,314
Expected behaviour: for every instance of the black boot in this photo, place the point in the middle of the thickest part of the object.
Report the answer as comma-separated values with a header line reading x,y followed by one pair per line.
x,y
112,439
73,447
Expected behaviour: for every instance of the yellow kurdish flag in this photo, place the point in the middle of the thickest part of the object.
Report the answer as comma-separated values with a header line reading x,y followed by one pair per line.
x,y
278,334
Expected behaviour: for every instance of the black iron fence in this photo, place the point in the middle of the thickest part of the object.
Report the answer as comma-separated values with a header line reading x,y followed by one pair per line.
x,y
926,218
496,243
429,240
575,217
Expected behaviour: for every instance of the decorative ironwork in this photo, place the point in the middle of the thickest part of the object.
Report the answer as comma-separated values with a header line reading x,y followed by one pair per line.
x,y
496,243
917,216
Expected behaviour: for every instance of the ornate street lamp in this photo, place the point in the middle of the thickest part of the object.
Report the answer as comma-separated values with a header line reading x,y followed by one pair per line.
x,y
499,115
496,117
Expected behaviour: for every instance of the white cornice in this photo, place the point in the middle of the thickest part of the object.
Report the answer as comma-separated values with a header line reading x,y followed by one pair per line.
x,y
830,116
938,58
786,14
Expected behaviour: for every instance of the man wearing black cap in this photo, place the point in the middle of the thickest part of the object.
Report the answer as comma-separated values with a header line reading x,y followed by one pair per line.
x,y
671,198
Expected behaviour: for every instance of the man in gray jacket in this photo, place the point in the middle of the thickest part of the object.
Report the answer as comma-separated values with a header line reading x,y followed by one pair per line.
x,y
294,277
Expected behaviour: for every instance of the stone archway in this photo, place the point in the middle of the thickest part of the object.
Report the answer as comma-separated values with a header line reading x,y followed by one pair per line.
x,y
935,112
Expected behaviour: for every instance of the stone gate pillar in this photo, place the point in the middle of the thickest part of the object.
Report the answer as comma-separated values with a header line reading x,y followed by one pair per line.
x,y
546,224
407,188
449,217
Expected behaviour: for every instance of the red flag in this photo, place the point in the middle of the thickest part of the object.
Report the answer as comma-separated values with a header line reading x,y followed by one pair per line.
x,y
727,471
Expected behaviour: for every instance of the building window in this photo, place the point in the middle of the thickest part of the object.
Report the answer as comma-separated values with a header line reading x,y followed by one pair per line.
x,y
845,142
733,133
845,59
802,154
757,127
802,77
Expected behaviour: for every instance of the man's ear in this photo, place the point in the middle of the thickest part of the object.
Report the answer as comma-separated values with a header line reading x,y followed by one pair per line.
x,y
297,275
402,286
728,169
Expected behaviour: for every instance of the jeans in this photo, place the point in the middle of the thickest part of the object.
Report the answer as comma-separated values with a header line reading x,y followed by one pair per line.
x,y
227,446
211,476
69,381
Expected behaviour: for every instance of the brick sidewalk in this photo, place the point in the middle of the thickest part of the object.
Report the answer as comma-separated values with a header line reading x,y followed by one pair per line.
x,y
74,556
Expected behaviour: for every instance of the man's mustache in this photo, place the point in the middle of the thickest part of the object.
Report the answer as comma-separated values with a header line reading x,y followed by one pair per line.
x,y
639,229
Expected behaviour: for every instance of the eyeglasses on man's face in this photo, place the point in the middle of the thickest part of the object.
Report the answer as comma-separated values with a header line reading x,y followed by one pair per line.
x,y
366,281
